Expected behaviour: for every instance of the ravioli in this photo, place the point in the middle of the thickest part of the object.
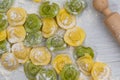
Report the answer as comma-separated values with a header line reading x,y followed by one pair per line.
x,y
9,61
49,27
56,43
31,70
101,71
75,36
16,34
60,61
21,52
65,20
3,35
40,56
75,7
46,74
48,9
16,16
85,64
69,72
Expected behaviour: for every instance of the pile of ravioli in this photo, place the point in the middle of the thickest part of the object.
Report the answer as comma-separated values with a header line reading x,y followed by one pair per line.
x,y
37,41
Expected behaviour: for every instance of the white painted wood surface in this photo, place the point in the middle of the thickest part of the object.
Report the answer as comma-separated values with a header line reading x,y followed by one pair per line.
x,y
98,36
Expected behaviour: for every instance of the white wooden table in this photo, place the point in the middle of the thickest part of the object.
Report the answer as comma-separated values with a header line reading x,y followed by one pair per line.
x,y
98,36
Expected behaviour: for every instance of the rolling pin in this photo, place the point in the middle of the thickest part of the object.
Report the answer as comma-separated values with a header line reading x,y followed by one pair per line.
x,y
112,19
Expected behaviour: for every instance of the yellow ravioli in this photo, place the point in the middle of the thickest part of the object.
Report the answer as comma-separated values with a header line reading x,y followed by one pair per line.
x,y
85,64
49,27
100,71
40,56
21,52
16,16
16,34
60,61
74,36
9,61
3,35
65,20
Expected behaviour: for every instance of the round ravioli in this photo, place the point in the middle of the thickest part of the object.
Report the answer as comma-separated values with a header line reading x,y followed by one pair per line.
x,y
65,20
48,9
49,27
100,71
75,7
3,22
16,34
4,47
9,61
40,56
31,70
33,39
85,64
56,43
3,35
69,72
5,5
82,50
21,52
16,16
46,74
75,36
60,61
33,23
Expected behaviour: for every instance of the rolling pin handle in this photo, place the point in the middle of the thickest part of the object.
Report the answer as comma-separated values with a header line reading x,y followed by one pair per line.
x,y
112,19
100,5
107,12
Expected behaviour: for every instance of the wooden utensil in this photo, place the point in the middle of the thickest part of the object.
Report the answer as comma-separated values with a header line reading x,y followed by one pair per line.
x,y
112,19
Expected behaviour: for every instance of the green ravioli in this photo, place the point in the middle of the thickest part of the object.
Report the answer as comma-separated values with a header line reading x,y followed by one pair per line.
x,y
46,74
5,5
4,47
33,39
31,70
33,23
75,7
48,9
81,51
56,43
3,22
69,72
